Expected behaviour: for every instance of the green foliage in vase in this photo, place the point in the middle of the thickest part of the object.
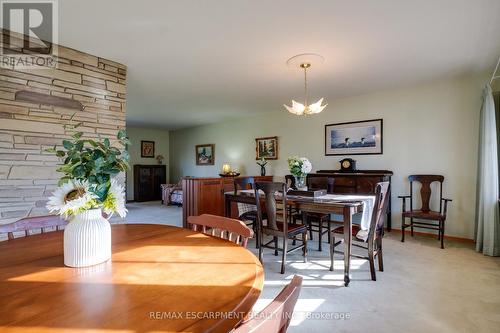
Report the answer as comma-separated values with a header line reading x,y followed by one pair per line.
x,y
92,161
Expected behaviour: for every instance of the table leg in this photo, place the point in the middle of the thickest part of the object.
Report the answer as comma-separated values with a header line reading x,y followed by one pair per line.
x,y
347,243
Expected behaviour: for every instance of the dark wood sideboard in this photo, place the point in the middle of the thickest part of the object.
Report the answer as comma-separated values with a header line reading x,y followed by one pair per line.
x,y
358,182
147,181
206,195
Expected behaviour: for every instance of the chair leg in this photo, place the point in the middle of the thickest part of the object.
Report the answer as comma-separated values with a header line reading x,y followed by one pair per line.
x,y
309,225
260,250
257,236
275,245
442,234
283,258
332,251
411,227
372,266
320,235
329,228
403,229
380,255
304,250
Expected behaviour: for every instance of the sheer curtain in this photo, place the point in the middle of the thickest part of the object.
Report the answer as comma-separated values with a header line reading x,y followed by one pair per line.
x,y
487,212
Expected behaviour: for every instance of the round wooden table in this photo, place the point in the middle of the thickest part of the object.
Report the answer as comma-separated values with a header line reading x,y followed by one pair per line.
x,y
160,279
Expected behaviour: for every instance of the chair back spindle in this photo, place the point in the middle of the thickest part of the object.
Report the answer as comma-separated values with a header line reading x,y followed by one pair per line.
x,y
290,182
425,190
275,318
29,224
379,213
230,229
271,189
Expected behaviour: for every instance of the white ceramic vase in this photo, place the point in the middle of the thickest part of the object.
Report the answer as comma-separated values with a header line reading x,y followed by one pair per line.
x,y
87,239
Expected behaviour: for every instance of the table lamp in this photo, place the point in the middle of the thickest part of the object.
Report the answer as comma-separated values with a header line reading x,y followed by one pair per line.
x,y
226,168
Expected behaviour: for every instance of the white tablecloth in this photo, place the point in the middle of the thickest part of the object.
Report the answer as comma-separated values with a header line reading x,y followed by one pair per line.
x,y
363,219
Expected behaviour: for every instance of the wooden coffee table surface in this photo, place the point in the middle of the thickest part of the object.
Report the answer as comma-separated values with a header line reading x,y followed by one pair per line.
x,y
160,279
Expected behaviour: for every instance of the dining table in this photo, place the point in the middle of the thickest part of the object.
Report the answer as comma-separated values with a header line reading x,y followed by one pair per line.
x,y
345,206
160,279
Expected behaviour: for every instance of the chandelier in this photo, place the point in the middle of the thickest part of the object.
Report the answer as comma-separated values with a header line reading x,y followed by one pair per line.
x,y
306,108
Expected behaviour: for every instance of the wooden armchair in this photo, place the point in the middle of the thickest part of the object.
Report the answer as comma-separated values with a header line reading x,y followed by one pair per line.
x,y
233,230
277,224
32,223
275,318
425,213
373,241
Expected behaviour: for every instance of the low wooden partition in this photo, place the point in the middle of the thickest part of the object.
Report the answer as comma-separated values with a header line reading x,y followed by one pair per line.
x,y
206,195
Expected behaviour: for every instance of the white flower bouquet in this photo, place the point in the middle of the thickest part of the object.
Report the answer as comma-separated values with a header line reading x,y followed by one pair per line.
x,y
299,166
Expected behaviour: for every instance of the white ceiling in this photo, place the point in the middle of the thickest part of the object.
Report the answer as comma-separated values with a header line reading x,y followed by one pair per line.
x,y
195,62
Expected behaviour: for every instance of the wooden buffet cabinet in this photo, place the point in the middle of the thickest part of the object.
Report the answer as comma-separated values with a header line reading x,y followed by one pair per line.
x,y
358,182
206,195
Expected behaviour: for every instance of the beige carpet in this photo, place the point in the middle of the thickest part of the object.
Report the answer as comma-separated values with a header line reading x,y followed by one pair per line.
x,y
423,288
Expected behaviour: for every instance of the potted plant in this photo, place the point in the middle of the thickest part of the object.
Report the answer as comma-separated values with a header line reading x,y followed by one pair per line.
x,y
160,159
262,163
88,191
299,167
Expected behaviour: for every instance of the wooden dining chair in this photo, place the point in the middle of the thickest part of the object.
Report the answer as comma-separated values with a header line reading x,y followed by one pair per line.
x,y
248,213
28,224
373,241
316,221
277,224
275,318
231,229
290,182
425,213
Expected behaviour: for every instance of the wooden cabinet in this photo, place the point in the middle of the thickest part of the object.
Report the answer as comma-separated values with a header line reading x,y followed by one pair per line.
x,y
359,182
206,195
147,181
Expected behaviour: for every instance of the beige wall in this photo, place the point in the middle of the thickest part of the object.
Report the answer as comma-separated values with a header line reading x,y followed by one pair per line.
x,y
430,128
136,134
27,172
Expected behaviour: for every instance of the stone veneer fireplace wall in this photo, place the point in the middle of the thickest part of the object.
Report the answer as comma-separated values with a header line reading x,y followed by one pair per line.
x,y
27,172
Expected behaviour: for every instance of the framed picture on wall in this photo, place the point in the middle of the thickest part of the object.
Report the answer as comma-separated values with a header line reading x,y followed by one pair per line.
x,y
354,138
148,149
205,154
266,148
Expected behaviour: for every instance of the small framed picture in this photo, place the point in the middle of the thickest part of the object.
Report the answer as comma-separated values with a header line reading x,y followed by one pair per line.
x,y
354,138
148,149
205,154
266,148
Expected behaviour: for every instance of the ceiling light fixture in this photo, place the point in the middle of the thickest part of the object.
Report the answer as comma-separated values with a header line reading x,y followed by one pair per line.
x,y
299,108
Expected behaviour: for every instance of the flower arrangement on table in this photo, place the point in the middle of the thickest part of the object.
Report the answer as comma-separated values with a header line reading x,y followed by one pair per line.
x,y
299,167
88,188
88,177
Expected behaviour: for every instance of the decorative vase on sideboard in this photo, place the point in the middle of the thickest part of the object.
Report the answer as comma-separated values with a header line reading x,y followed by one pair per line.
x,y
87,239
300,183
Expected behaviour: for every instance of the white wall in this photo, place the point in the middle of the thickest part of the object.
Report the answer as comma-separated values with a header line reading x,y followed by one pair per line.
x,y
136,134
431,128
